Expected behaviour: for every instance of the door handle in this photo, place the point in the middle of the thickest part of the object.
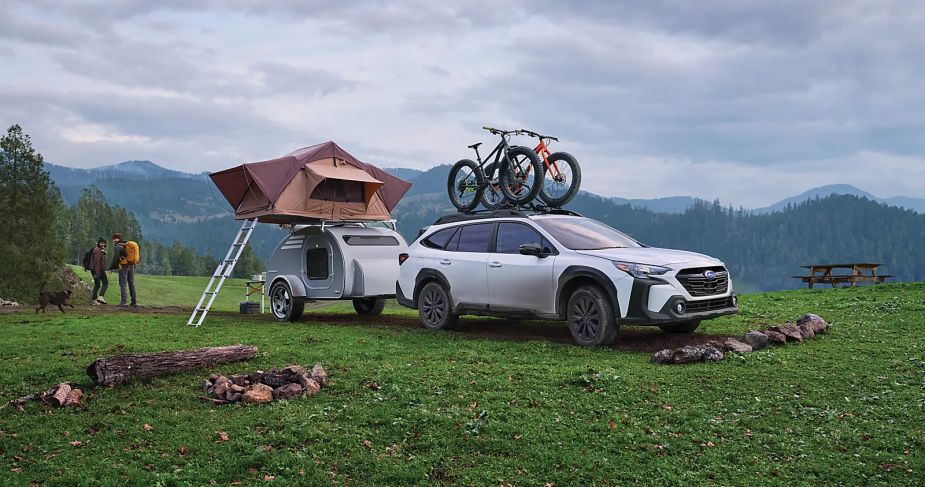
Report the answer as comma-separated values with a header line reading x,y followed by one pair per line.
x,y
494,264
445,262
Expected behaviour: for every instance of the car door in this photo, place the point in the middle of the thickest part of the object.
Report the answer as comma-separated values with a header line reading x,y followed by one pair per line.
x,y
464,263
521,282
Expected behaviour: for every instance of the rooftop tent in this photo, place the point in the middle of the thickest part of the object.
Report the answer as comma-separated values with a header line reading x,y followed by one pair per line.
x,y
319,182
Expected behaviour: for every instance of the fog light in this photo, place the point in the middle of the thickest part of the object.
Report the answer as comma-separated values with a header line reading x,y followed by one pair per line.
x,y
735,300
679,308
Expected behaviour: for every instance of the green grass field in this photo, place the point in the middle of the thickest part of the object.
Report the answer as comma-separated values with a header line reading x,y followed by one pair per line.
x,y
407,406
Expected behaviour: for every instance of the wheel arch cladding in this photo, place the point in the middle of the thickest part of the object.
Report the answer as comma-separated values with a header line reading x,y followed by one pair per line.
x,y
430,275
575,276
295,285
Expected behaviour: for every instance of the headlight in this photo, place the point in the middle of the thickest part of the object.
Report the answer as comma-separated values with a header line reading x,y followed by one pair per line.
x,y
640,270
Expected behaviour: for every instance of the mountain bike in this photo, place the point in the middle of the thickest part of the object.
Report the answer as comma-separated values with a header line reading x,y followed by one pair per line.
x,y
562,176
515,171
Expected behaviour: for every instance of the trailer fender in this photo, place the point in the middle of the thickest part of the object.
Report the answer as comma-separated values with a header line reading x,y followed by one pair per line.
x,y
295,285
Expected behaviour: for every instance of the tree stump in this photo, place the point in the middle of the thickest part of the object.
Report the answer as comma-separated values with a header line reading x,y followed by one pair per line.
x,y
124,368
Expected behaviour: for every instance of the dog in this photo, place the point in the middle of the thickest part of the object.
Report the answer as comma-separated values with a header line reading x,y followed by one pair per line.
x,y
56,298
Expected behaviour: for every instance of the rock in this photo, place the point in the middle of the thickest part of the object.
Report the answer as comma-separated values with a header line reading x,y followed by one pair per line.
x,y
213,377
274,379
790,331
687,355
236,388
257,394
712,354
818,324
206,385
756,339
221,386
662,356
288,391
237,380
256,377
319,375
775,337
806,330
736,346
294,370
310,387
234,397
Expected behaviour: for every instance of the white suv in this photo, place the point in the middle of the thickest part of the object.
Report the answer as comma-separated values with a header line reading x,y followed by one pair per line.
x,y
557,265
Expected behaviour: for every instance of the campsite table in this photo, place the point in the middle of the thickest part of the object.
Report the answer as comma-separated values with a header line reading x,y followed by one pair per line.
x,y
860,272
254,287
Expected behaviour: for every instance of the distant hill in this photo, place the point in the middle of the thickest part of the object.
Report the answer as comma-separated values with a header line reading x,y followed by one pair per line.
x,y
405,173
915,204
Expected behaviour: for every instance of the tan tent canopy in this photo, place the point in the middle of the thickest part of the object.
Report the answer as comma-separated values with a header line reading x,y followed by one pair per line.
x,y
321,182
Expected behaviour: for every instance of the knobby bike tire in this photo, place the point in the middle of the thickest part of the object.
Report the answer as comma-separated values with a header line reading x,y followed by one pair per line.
x,y
521,191
557,159
492,197
456,193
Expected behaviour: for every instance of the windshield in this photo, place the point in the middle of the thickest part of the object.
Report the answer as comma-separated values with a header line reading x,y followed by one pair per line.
x,y
585,234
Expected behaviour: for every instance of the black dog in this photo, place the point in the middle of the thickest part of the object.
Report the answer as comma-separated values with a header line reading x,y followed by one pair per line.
x,y
57,298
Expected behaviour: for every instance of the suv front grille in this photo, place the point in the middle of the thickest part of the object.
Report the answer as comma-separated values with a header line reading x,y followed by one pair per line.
x,y
697,284
709,305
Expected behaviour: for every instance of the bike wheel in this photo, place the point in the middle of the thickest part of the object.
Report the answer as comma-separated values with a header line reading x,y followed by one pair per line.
x,y
465,185
521,176
563,178
492,197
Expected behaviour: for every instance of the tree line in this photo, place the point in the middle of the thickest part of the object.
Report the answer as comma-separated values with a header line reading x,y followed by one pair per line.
x,y
41,234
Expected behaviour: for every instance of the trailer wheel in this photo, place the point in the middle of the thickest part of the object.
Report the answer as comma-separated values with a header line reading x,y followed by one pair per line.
x,y
369,306
283,305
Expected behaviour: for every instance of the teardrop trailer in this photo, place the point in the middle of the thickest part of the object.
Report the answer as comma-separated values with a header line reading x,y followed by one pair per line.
x,y
342,242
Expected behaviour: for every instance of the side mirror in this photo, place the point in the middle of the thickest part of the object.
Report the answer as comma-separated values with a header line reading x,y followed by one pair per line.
x,y
532,249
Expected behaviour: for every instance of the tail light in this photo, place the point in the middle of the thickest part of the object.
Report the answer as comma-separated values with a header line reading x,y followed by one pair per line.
x,y
402,258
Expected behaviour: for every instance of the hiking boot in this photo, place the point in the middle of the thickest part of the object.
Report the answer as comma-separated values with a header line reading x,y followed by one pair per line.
x,y
101,300
122,305
94,303
134,305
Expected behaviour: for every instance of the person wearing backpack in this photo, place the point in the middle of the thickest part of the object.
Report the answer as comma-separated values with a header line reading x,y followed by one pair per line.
x,y
95,262
124,259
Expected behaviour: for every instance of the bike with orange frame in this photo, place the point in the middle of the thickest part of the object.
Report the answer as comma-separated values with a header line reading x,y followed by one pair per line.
x,y
563,174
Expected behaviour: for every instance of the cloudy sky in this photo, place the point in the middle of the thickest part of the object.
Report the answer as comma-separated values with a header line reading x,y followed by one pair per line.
x,y
746,101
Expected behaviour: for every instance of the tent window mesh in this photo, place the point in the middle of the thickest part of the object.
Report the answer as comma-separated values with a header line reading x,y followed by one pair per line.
x,y
317,263
339,190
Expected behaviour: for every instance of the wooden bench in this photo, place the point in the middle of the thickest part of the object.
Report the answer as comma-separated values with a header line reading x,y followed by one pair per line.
x,y
860,273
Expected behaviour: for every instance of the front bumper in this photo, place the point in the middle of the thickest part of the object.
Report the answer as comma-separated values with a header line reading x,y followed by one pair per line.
x,y
677,309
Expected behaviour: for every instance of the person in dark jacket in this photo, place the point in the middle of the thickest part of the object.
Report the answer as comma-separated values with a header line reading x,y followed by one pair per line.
x,y
126,270
98,270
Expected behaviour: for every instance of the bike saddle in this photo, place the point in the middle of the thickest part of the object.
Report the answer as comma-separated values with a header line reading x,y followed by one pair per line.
x,y
475,145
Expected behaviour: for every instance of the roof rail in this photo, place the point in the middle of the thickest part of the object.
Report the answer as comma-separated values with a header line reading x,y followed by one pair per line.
x,y
503,213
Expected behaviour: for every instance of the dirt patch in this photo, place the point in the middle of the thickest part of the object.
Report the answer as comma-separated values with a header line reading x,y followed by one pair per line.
x,y
630,338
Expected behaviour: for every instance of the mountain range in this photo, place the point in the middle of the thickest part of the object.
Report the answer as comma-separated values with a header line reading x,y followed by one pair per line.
x,y
762,246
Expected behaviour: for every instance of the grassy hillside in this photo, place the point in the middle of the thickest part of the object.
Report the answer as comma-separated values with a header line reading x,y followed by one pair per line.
x,y
492,403
173,291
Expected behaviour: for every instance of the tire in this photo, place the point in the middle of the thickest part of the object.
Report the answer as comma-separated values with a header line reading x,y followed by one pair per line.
x,y
559,187
435,307
591,317
522,176
283,305
465,184
686,327
492,197
369,306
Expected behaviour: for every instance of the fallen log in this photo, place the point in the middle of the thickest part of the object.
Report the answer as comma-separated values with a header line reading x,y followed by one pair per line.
x,y
124,368
60,395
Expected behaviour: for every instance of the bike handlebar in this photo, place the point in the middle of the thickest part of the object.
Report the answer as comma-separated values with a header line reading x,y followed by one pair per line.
x,y
539,136
519,132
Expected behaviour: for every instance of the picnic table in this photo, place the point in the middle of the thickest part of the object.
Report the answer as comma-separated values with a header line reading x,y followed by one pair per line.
x,y
859,272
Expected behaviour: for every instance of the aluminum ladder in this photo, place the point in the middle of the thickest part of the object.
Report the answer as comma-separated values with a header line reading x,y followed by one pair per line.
x,y
222,272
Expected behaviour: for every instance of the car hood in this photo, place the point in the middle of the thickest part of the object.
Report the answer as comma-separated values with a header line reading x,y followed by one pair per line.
x,y
650,255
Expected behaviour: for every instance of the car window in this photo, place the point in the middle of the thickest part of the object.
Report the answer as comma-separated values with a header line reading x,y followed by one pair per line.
x,y
512,235
585,234
475,238
438,239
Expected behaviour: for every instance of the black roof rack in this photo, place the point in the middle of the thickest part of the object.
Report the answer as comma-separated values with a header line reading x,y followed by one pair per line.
x,y
503,213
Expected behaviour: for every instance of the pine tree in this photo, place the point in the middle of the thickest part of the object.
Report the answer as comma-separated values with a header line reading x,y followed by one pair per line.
x,y
31,203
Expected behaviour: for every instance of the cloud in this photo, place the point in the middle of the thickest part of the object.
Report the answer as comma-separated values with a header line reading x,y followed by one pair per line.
x,y
742,101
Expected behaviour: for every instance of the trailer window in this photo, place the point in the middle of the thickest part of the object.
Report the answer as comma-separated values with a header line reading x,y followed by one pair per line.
x,y
317,263
371,240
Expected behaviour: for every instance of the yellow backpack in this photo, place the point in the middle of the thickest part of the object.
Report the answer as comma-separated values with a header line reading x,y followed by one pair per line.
x,y
132,254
